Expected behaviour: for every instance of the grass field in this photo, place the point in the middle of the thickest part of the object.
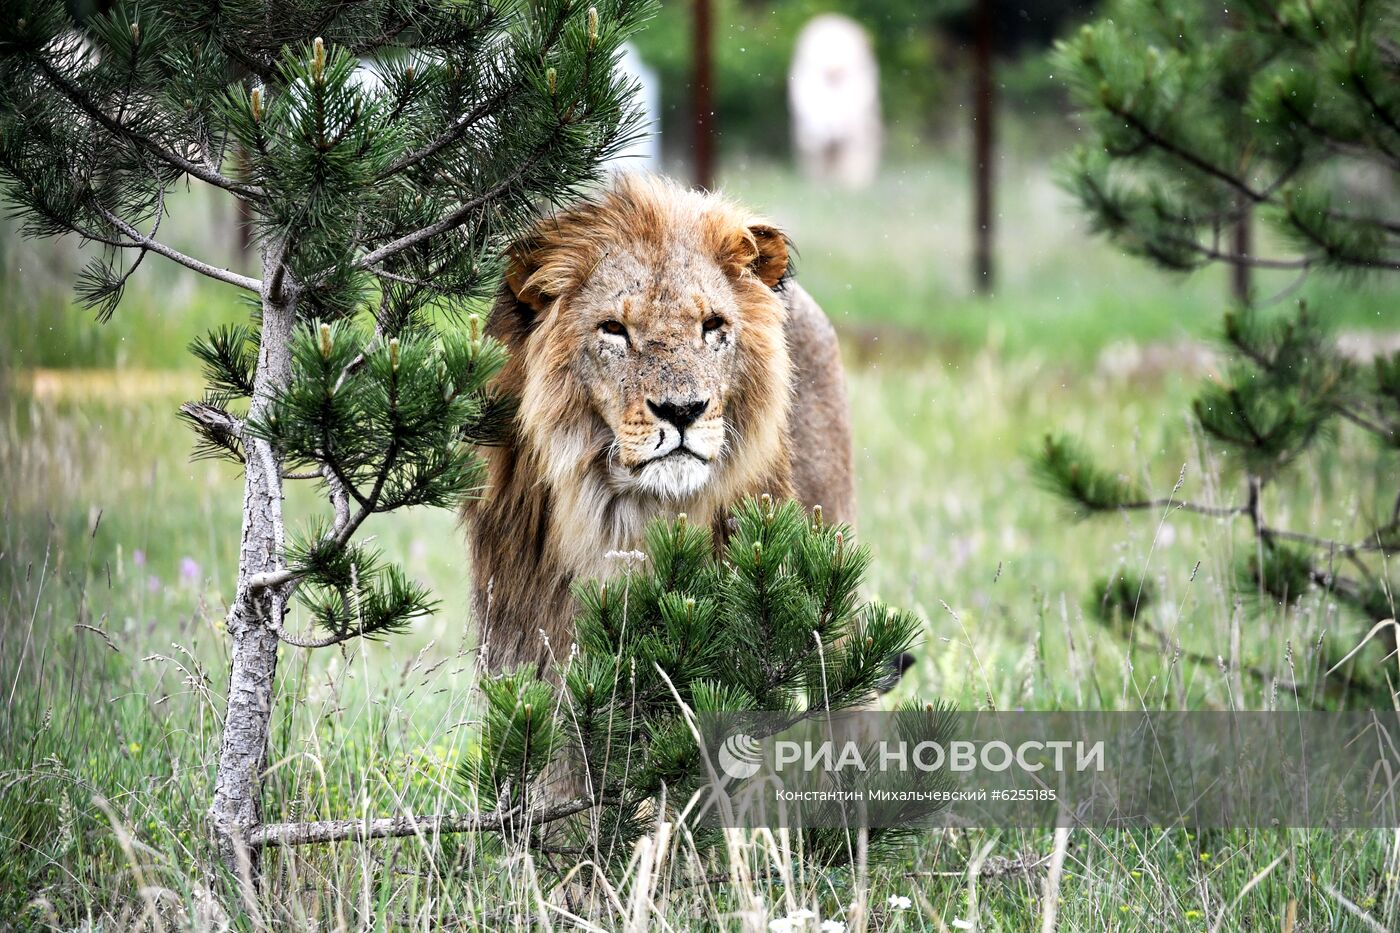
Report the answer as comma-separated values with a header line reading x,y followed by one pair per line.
x,y
117,553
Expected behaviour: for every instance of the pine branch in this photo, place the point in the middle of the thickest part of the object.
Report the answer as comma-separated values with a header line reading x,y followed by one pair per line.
x,y
1340,146
114,126
1063,468
466,121
1330,249
338,538
324,418
229,355
456,218
203,268
1378,109
456,131
1285,373
1190,158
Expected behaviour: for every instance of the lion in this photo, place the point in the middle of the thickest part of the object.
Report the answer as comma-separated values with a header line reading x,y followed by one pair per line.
x,y
662,360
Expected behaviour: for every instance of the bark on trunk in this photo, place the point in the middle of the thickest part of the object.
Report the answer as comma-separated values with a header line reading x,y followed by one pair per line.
x,y
256,614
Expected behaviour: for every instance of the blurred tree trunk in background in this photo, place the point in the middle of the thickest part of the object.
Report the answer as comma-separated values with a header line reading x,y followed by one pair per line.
x,y
983,145
243,220
702,106
989,29
1241,241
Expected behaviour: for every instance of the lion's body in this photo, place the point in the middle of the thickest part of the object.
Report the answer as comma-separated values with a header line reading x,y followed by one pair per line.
x,y
645,319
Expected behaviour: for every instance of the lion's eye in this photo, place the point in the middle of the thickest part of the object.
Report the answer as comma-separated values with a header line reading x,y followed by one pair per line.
x,y
613,328
712,323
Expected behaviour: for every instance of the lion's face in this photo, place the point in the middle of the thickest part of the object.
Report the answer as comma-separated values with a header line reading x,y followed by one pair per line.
x,y
650,349
657,350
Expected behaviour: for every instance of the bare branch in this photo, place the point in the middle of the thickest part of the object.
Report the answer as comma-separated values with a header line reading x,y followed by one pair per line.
x,y
306,641
221,434
277,281
1263,530
355,365
203,268
214,419
1256,262
402,279
340,500
1325,544
295,834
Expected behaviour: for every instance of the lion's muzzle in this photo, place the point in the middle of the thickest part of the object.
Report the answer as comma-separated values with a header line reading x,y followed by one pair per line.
x,y
681,446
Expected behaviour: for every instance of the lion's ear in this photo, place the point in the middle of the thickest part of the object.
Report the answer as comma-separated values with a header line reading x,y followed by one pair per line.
x,y
771,263
523,259
759,248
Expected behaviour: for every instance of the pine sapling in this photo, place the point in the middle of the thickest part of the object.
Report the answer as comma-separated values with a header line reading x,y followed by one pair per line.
x,y
773,623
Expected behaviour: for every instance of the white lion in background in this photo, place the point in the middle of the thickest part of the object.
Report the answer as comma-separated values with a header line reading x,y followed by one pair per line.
x,y
834,96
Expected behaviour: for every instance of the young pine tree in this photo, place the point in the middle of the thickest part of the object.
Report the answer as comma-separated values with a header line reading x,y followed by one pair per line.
x,y
774,625
385,151
1200,120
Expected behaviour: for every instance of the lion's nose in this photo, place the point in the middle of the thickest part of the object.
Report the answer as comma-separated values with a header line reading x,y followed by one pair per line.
x,y
681,414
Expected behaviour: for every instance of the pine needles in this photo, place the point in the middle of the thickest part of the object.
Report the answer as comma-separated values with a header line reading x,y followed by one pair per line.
x,y
774,624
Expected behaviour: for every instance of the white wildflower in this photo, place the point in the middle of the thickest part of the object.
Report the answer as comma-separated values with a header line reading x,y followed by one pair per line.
x,y
628,558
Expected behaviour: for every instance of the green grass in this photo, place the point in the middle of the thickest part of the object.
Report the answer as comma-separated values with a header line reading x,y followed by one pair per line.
x,y
107,737
948,508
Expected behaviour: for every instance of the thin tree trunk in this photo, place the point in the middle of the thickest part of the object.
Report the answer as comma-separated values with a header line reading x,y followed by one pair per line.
x,y
983,145
256,614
